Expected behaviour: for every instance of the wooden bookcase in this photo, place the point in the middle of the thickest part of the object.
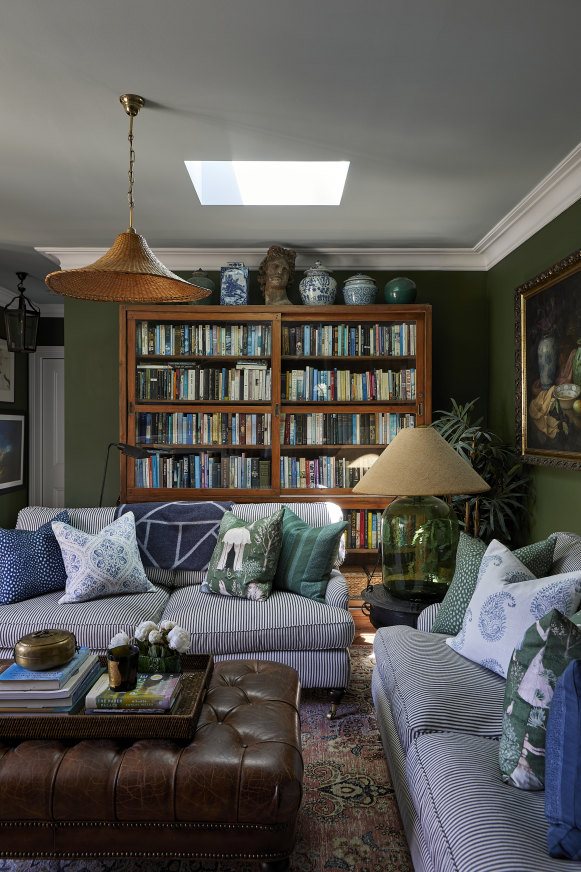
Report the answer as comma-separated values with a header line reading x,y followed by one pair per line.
x,y
316,404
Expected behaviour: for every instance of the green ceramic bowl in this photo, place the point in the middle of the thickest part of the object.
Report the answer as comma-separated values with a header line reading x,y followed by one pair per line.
x,y
400,290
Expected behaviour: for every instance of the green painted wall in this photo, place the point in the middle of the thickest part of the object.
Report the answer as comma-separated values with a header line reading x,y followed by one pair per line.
x,y
460,368
91,400
557,493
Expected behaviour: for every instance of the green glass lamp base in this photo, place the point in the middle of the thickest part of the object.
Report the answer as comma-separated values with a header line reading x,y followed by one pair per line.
x,y
419,541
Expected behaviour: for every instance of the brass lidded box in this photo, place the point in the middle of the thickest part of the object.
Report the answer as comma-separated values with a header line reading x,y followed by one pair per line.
x,y
45,649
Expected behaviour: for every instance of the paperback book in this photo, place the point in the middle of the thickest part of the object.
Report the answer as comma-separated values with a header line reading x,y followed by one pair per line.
x,y
14,690
153,692
28,679
62,705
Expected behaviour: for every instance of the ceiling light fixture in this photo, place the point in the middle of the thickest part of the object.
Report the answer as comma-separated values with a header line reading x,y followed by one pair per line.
x,y
21,323
129,272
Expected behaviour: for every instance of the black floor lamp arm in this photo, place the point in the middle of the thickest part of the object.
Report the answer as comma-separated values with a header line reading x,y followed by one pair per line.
x,y
109,447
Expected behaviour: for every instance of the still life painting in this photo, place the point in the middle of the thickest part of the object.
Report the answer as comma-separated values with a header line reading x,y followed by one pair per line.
x,y
548,365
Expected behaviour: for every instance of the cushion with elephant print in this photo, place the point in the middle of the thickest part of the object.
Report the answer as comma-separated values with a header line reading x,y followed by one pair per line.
x,y
245,557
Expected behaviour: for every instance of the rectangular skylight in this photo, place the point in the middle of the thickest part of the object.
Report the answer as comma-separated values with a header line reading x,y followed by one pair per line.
x,y
268,182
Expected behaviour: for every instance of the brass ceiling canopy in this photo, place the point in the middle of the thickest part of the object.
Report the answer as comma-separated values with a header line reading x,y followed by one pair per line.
x,y
129,272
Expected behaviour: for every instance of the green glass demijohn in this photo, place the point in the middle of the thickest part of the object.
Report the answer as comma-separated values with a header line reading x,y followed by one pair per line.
x,y
419,538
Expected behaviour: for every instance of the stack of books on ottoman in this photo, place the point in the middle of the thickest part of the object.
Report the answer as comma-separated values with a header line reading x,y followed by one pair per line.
x,y
23,691
153,694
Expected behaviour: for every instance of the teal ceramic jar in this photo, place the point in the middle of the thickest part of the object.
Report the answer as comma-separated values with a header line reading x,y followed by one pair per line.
x,y
202,280
400,290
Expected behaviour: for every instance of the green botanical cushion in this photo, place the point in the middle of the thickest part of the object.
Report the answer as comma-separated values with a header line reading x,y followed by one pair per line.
x,y
307,557
245,557
548,647
537,557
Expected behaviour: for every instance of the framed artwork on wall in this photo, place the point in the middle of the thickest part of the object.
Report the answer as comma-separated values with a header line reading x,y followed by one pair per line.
x,y
11,452
6,373
548,365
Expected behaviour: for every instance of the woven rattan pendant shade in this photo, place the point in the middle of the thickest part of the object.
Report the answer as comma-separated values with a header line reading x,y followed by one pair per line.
x,y
419,462
128,273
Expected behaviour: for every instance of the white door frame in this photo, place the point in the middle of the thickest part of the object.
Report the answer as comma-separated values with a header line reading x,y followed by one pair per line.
x,y
35,398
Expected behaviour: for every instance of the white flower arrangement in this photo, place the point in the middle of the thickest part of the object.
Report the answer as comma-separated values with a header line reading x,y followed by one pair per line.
x,y
153,640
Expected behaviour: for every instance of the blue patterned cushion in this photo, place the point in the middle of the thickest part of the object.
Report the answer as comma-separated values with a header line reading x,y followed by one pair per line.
x,y
563,766
30,563
177,535
501,611
101,565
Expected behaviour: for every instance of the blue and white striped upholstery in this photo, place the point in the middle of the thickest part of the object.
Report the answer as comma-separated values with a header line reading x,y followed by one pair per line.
x,y
567,554
283,622
315,668
427,617
396,762
431,687
471,820
94,623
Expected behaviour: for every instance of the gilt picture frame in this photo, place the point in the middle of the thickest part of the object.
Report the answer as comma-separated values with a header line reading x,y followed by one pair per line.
x,y
548,366
12,448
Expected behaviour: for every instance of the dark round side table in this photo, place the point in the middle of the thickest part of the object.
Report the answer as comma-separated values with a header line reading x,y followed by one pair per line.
x,y
384,610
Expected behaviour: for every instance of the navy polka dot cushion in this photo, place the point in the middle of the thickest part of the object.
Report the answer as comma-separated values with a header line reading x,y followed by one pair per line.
x,y
31,562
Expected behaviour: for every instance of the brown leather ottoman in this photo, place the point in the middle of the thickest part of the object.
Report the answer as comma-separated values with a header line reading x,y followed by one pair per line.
x,y
233,792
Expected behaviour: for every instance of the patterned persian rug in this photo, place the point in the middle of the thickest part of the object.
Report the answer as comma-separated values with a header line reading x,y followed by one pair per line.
x,y
349,820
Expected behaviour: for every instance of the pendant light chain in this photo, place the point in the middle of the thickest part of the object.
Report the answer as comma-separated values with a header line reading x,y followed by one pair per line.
x,y
130,173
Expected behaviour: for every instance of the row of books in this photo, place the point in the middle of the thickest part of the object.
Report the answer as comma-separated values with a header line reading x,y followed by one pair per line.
x,y
319,472
203,428
342,428
347,340
363,528
49,691
203,470
341,385
248,380
152,338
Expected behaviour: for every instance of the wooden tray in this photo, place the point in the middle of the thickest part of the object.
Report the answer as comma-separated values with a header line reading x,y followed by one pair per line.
x,y
179,724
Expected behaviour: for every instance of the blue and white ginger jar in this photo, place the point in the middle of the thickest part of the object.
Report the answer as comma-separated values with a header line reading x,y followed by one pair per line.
x,y
359,290
318,288
234,285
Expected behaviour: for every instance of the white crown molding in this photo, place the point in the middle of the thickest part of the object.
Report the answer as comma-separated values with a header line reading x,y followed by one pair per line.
x,y
555,193
47,310
186,259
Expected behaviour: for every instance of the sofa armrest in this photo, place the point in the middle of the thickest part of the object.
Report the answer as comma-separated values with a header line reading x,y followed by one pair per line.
x,y
337,593
427,617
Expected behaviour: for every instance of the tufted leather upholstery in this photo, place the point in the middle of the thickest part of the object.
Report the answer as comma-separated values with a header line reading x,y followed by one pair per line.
x,y
233,791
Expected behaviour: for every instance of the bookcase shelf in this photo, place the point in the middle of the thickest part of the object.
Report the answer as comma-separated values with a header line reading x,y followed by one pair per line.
x,y
284,439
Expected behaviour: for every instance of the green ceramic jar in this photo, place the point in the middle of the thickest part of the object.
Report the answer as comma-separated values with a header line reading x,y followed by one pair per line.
x,y
400,290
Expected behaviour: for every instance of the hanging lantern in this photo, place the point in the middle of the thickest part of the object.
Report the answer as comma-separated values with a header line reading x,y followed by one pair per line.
x,y
21,323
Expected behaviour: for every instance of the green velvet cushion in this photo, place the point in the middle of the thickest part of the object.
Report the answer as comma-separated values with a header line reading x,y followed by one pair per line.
x,y
548,647
245,557
537,557
307,556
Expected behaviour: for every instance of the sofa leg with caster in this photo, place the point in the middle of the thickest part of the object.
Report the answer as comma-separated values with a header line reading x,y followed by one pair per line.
x,y
336,695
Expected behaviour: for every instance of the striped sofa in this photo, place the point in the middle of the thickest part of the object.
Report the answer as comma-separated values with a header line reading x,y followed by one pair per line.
x,y
311,636
440,718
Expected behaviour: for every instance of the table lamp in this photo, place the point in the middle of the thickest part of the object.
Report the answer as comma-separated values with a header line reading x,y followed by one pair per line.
x,y
419,531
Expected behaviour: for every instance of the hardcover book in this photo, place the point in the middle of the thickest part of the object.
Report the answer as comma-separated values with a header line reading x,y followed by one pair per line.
x,y
156,691
42,680
14,690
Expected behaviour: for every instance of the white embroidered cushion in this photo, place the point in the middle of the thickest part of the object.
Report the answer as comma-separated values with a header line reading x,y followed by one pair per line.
x,y
507,600
101,565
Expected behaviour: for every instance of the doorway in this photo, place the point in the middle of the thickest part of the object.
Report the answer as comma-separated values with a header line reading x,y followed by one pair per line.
x,y
46,392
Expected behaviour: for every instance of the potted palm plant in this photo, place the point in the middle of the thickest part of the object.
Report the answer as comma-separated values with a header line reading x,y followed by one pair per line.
x,y
502,512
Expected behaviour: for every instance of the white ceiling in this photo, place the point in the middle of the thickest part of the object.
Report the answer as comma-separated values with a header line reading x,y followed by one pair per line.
x,y
450,111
